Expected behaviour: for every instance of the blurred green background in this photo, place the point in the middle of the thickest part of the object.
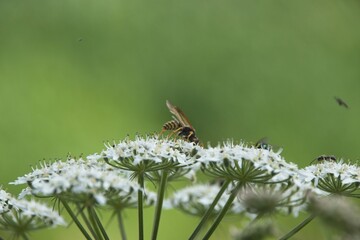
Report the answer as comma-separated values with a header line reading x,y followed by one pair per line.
x,y
75,73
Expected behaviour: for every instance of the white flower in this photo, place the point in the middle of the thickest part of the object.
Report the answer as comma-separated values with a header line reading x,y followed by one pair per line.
x,y
38,210
5,201
150,154
268,198
331,177
79,180
47,170
23,215
197,199
229,160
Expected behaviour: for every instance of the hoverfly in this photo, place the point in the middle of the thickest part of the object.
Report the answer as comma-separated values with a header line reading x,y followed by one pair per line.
x,y
180,124
263,144
341,102
324,158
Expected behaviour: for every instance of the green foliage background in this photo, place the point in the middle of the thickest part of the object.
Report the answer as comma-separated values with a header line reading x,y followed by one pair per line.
x,y
75,73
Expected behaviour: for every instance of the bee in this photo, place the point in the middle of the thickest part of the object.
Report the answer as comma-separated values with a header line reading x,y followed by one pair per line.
x,y
324,158
180,124
263,144
341,102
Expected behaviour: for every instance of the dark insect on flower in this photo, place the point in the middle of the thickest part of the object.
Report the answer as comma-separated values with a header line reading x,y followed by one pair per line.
x,y
180,124
341,102
263,144
322,158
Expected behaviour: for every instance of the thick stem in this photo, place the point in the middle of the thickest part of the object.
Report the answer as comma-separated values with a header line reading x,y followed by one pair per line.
x,y
76,220
121,225
298,227
159,203
223,211
210,210
140,206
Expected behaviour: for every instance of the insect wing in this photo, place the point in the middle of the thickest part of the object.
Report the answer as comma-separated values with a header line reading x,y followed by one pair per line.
x,y
179,115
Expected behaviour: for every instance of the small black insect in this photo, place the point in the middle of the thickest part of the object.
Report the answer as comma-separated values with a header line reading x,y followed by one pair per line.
x,y
322,158
263,144
341,102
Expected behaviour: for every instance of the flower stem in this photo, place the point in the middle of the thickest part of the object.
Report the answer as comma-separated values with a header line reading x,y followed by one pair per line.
x,y
223,211
76,220
209,211
298,227
24,236
98,222
121,225
140,206
159,203
94,224
86,220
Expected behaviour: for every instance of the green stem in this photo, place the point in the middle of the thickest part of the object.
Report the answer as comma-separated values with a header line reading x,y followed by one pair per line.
x,y
159,203
98,222
121,225
24,236
94,224
210,210
298,227
223,211
76,220
140,205
86,220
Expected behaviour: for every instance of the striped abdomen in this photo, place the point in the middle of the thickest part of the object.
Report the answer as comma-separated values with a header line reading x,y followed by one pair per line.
x,y
171,125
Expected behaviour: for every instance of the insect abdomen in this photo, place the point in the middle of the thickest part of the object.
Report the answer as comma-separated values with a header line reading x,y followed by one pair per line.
x,y
171,125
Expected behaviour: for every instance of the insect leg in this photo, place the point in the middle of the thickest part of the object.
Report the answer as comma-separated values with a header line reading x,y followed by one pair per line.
x,y
162,131
175,131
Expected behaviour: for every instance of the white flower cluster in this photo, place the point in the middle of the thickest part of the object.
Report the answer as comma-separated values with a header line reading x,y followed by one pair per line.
x,y
268,198
196,200
5,203
230,157
47,170
105,177
77,180
151,149
331,176
15,212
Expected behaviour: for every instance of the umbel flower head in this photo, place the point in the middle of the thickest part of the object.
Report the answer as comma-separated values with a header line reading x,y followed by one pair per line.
x,y
151,154
22,216
81,180
196,199
266,199
339,213
331,177
240,163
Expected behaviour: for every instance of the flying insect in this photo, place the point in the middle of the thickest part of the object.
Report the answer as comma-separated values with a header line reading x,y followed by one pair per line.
x,y
341,102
